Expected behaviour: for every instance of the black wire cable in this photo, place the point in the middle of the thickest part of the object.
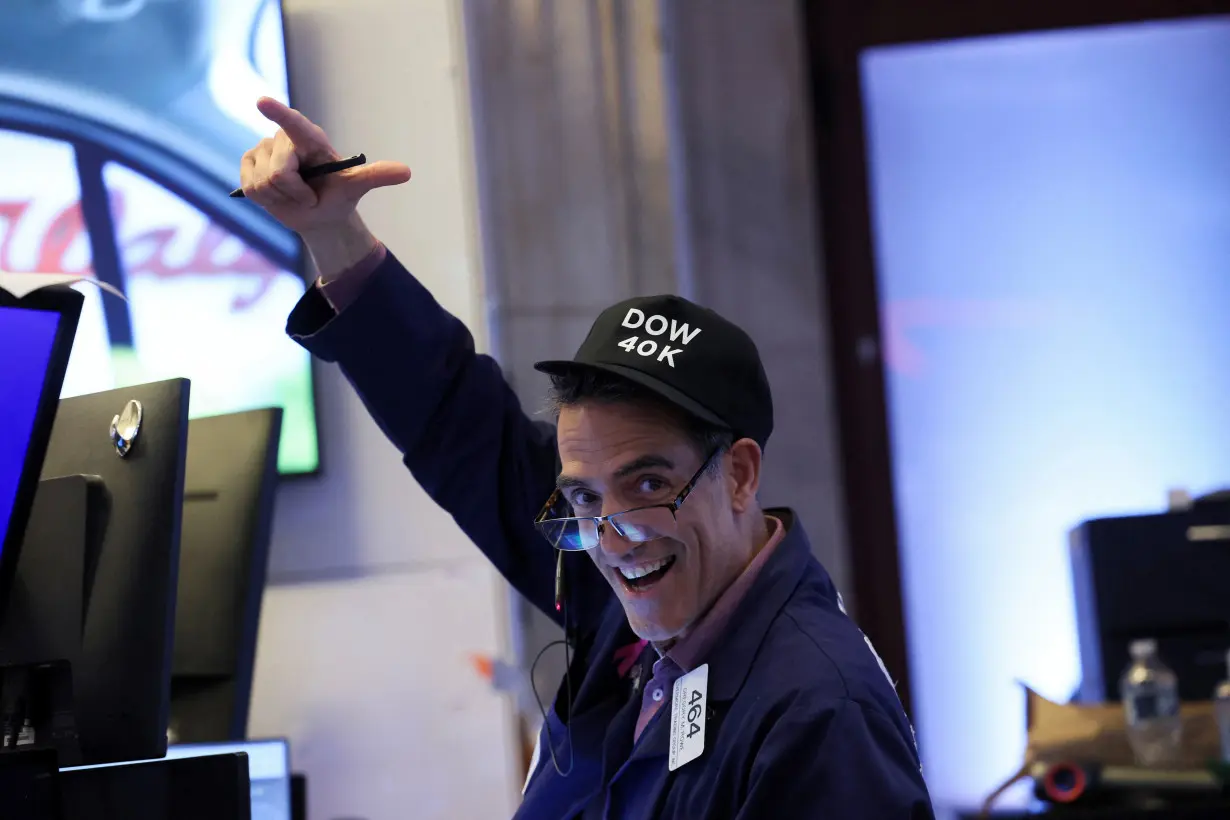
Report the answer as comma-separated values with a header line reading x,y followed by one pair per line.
x,y
546,724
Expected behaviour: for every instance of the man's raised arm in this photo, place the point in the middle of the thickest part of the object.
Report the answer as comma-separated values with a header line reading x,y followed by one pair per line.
x,y
450,412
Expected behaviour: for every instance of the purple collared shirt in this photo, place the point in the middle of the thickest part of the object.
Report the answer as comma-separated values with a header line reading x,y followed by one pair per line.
x,y
691,649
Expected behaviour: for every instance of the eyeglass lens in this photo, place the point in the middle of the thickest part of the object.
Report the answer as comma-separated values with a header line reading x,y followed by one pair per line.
x,y
637,526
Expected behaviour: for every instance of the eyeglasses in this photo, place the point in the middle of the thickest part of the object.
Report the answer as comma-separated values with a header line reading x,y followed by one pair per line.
x,y
637,525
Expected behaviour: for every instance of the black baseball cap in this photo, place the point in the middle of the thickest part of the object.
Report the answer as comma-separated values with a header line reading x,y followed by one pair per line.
x,y
686,354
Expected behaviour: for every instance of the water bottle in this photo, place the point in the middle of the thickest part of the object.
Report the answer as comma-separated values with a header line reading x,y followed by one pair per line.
x,y
1150,694
1221,707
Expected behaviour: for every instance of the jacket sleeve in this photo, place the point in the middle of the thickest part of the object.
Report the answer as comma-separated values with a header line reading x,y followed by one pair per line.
x,y
836,760
457,423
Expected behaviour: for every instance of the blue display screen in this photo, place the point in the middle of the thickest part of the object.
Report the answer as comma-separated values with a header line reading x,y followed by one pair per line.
x,y
26,341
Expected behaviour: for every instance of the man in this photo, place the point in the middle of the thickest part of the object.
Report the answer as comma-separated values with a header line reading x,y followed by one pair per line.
x,y
714,672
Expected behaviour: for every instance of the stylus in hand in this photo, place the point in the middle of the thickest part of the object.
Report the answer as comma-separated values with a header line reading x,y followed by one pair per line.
x,y
313,171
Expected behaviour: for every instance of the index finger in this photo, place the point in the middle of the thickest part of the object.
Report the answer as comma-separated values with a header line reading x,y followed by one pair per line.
x,y
303,132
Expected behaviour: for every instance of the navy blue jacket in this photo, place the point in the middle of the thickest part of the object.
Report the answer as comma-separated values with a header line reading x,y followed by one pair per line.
x,y
803,721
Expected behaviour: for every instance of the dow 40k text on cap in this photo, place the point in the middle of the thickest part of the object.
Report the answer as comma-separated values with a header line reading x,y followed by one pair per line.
x,y
685,353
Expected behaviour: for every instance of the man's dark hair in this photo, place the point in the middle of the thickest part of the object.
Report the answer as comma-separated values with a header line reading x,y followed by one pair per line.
x,y
587,384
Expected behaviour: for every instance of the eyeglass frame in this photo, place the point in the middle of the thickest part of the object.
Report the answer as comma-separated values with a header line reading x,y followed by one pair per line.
x,y
601,520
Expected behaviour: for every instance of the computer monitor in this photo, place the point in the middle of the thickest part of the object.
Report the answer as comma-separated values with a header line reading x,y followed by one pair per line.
x,y
268,772
98,690
1164,576
268,763
224,553
193,787
36,337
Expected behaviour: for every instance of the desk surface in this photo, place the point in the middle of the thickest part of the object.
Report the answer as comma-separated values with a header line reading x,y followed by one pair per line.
x,y
1206,811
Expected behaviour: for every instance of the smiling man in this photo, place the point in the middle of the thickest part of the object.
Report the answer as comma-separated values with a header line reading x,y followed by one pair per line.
x,y
714,672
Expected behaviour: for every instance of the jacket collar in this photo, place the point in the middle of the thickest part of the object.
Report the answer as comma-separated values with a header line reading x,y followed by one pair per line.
x,y
731,658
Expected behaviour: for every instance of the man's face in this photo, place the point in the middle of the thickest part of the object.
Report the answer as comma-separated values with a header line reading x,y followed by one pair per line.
x,y
619,457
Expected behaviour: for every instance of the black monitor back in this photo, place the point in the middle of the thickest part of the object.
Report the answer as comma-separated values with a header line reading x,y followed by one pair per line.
x,y
228,513
1164,576
215,787
121,675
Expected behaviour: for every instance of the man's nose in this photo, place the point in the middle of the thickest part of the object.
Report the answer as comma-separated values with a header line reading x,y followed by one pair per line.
x,y
612,543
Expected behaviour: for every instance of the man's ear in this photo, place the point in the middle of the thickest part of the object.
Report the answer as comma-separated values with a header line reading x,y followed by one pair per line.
x,y
743,473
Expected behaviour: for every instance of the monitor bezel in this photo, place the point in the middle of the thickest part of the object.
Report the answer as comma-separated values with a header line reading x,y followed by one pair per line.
x,y
66,303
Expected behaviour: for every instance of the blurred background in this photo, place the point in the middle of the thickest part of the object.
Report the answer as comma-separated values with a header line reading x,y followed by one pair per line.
x,y
982,249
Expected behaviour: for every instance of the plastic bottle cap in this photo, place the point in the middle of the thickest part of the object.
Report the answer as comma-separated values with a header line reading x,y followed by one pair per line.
x,y
1142,648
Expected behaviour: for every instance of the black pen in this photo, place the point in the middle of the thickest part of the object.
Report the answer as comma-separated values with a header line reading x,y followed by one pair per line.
x,y
313,171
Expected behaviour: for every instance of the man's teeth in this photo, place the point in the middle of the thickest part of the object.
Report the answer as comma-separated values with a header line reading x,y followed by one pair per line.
x,y
632,573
